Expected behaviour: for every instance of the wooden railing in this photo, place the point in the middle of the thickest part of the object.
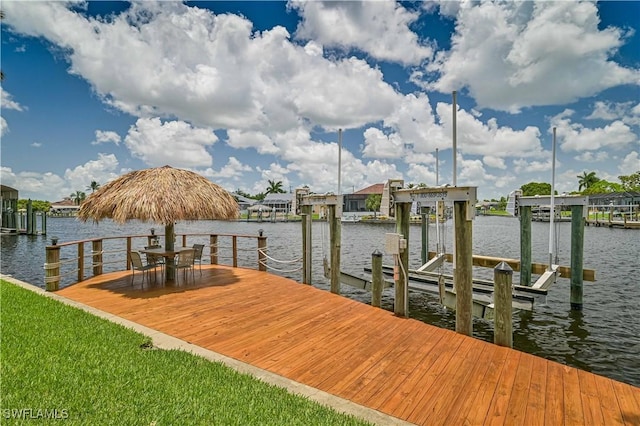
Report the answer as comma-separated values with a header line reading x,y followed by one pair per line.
x,y
109,254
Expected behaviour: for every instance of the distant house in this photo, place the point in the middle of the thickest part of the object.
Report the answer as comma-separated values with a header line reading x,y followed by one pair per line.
x,y
66,207
9,199
243,202
281,202
615,198
356,202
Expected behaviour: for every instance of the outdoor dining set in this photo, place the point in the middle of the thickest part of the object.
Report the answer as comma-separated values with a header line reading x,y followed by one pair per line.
x,y
156,257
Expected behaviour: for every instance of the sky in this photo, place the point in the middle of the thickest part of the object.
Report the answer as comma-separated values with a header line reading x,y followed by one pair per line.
x,y
247,92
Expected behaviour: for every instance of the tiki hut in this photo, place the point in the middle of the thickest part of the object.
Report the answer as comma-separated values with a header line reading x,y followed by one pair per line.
x,y
161,195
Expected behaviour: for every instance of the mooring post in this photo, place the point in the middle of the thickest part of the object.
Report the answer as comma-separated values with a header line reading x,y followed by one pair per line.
x,y
502,295
306,244
376,278
424,213
30,227
96,251
525,245
577,250
52,267
401,305
464,268
80,261
262,252
44,223
334,241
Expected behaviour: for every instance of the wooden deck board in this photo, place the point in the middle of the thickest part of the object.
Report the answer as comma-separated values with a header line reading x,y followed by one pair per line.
x,y
398,366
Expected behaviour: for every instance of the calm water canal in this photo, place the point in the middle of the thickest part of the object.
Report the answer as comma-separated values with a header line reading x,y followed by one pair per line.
x,y
604,338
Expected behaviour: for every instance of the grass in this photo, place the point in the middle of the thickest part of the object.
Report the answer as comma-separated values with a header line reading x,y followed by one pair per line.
x,y
56,357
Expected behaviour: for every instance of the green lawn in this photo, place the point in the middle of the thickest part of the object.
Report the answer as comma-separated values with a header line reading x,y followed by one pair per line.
x,y
93,372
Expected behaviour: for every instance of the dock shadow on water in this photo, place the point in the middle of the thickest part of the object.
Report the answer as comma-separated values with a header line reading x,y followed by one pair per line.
x,y
604,338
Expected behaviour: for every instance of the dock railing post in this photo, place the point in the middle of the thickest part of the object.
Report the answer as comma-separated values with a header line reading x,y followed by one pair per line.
x,y
376,278
96,251
503,326
234,249
30,227
577,249
401,305
306,244
52,268
262,255
464,268
213,248
80,261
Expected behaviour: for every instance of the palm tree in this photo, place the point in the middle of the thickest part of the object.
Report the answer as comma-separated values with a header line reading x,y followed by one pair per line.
x,y
93,186
275,187
78,197
586,180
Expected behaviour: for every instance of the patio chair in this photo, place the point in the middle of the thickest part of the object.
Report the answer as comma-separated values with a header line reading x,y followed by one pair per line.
x,y
154,259
185,262
197,255
137,265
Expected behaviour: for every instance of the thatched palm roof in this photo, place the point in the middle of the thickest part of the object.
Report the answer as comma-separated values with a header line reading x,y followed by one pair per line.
x,y
162,195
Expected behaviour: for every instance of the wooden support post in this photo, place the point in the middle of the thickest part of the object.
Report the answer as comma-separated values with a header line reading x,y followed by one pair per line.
x,y
376,279
52,268
262,252
401,305
96,249
213,247
464,268
525,245
502,299
184,240
30,227
334,242
128,253
234,248
44,223
577,250
306,244
80,261
424,213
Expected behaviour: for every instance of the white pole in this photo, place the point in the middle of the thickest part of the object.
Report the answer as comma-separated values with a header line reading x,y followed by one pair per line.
x,y
553,190
437,167
339,160
455,140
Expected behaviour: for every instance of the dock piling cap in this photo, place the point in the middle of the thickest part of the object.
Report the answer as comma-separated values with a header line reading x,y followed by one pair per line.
x,y
503,268
376,253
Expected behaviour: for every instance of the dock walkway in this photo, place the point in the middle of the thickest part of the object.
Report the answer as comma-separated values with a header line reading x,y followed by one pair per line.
x,y
402,367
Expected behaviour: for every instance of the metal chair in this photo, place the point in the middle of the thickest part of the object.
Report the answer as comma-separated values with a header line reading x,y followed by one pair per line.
x,y
197,255
184,261
137,265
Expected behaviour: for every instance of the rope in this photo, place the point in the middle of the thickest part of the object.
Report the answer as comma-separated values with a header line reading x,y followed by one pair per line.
x,y
281,270
51,279
54,265
262,252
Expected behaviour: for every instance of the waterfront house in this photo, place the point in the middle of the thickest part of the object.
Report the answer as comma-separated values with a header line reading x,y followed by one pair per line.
x,y
65,207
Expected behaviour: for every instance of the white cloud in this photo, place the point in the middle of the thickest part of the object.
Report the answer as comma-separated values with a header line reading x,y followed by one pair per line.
x,y
524,166
626,112
577,137
52,187
36,144
380,29
106,137
418,173
510,55
174,143
7,101
379,145
630,164
233,170
591,157
4,127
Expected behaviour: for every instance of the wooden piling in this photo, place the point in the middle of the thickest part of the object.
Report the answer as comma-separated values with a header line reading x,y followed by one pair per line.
x,y
502,298
525,245
213,247
306,244
464,268
52,268
577,250
30,225
424,214
262,255
234,251
334,242
96,250
401,305
44,223
376,279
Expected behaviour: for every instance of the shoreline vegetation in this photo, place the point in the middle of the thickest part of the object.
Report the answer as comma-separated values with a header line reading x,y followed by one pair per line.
x,y
59,362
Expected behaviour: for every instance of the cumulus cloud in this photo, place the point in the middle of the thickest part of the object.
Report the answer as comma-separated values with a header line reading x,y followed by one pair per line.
x,y
577,137
379,145
106,137
380,29
510,55
630,163
627,112
174,143
233,170
8,102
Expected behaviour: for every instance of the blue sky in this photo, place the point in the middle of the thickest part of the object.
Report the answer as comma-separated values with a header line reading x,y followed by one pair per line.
x,y
246,92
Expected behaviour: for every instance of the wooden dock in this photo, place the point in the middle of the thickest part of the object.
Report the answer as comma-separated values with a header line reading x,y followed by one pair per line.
x,y
402,367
